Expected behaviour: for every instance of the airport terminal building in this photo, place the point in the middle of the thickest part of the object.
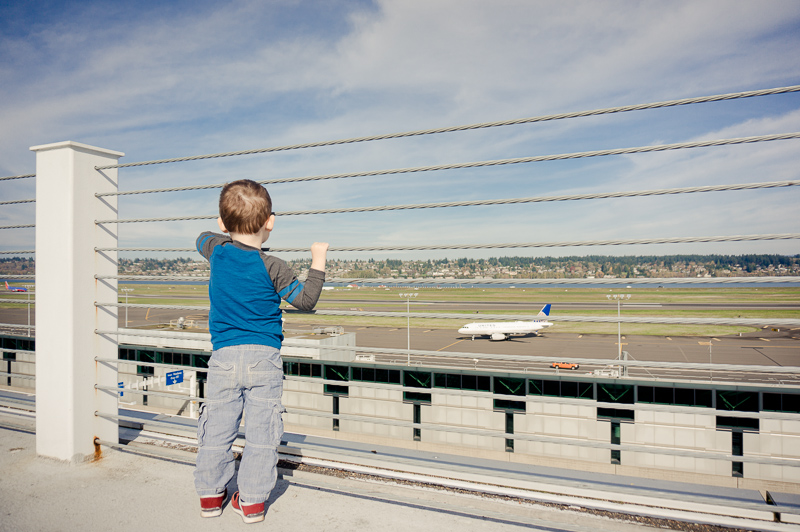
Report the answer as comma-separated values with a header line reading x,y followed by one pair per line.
x,y
716,433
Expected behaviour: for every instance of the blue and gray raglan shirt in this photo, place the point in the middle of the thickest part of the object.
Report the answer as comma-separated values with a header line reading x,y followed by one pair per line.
x,y
246,289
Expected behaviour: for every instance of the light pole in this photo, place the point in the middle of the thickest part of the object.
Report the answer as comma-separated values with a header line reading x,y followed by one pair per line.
x,y
710,371
619,298
408,297
29,287
126,290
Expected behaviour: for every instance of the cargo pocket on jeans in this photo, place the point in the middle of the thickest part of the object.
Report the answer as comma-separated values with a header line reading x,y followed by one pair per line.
x,y
202,420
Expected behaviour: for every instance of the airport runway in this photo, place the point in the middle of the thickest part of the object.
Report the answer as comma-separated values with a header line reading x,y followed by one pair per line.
x,y
764,348
767,347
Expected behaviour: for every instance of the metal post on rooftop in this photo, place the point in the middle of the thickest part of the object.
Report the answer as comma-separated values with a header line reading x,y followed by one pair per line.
x,y
127,291
408,322
66,293
29,287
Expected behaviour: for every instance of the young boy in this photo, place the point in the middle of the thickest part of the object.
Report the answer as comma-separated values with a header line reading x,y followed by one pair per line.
x,y
245,372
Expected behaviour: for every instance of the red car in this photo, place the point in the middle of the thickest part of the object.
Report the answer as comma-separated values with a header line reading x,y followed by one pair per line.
x,y
565,365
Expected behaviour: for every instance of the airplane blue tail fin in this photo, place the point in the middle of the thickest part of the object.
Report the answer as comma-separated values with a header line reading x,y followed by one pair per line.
x,y
545,310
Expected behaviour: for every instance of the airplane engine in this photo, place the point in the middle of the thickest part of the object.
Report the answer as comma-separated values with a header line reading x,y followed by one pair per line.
x,y
497,337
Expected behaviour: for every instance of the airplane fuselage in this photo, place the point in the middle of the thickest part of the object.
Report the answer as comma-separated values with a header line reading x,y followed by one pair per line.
x,y
504,330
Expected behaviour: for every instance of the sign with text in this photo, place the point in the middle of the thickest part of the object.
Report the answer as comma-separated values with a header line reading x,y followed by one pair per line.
x,y
175,377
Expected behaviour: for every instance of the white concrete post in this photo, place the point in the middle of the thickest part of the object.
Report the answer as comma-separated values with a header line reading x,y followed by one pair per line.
x,y
66,292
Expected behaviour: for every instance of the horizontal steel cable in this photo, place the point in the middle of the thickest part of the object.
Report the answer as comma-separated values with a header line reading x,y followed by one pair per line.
x,y
498,162
539,199
577,243
750,322
25,176
478,280
17,226
18,252
22,299
483,125
17,201
32,276
582,281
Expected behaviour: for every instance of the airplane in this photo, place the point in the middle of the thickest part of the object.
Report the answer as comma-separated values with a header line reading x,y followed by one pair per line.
x,y
503,330
15,289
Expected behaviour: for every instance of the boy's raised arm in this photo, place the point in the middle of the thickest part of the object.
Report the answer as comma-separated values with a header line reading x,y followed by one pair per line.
x,y
319,253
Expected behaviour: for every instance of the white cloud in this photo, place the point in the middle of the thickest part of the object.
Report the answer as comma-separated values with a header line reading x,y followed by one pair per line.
x,y
244,75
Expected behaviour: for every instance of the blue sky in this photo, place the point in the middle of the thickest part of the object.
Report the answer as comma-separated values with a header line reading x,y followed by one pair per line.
x,y
168,79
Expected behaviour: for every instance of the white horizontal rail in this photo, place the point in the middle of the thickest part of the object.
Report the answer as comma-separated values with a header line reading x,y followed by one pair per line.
x,y
169,395
18,375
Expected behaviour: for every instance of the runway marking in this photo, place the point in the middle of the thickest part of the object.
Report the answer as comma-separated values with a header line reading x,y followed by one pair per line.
x,y
717,339
390,330
580,336
429,330
668,338
766,340
146,315
454,343
771,347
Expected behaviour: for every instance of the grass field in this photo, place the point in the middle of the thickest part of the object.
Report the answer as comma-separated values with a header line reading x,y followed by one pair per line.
x,y
388,300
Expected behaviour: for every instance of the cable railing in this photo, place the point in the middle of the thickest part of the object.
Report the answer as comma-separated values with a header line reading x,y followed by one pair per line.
x,y
510,201
107,245
518,121
511,245
496,162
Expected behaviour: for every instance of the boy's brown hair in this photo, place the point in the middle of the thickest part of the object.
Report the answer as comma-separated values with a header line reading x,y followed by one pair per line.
x,y
244,206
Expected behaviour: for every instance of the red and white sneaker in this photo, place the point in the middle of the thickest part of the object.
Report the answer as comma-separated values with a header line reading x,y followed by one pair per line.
x,y
251,513
211,506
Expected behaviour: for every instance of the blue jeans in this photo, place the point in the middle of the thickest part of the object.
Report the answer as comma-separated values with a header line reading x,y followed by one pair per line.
x,y
241,379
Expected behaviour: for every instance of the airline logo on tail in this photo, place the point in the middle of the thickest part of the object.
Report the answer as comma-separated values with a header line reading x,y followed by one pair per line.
x,y
15,289
503,330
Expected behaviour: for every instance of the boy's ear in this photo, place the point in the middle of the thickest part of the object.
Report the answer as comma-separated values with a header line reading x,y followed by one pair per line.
x,y
270,222
221,225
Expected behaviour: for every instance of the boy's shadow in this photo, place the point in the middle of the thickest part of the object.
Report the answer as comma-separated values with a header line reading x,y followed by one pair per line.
x,y
281,485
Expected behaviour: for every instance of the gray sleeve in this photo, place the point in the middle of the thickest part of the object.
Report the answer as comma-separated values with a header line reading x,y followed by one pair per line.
x,y
207,241
303,296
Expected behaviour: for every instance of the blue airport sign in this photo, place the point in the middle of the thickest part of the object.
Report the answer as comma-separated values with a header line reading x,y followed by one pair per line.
x,y
120,385
175,377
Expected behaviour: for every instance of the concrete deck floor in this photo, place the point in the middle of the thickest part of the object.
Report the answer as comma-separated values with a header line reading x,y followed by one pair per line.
x,y
130,492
